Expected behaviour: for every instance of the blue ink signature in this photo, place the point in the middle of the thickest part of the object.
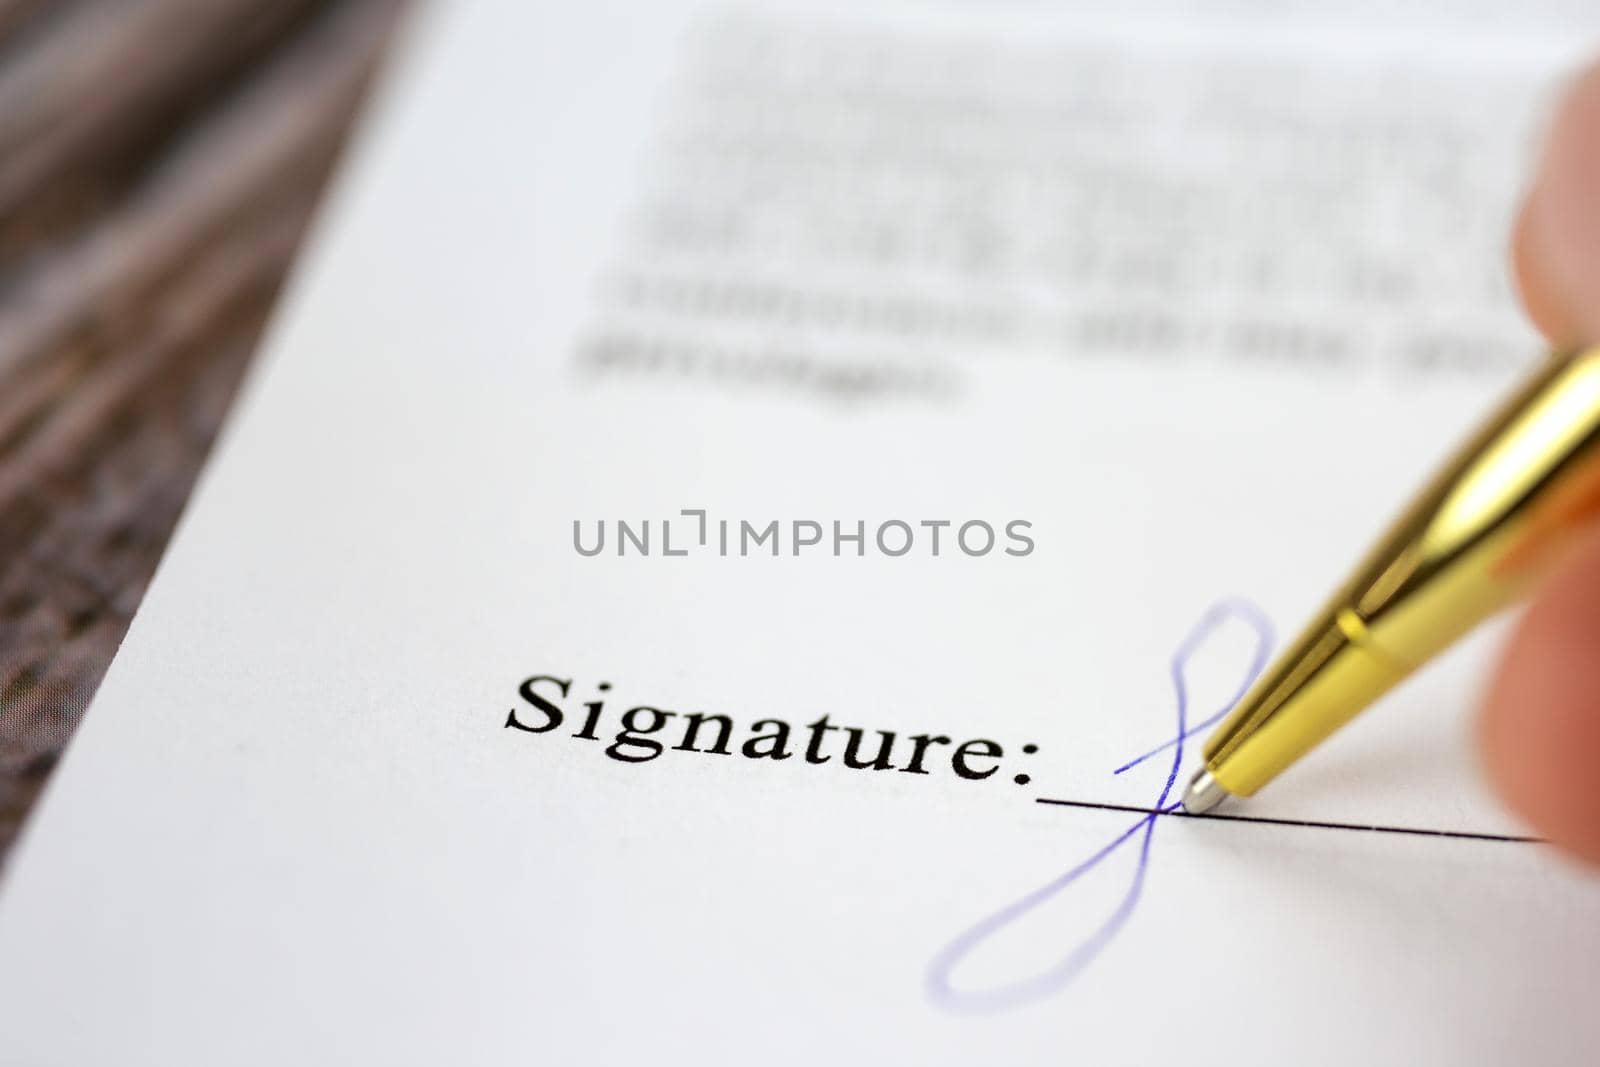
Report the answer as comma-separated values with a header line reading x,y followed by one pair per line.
x,y
1081,955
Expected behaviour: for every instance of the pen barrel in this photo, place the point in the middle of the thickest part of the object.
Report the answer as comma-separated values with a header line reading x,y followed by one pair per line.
x,y
1481,532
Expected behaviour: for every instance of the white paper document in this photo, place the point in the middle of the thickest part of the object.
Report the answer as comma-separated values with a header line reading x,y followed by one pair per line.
x,y
735,515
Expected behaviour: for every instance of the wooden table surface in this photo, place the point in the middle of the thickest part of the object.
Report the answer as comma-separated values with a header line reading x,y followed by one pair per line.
x,y
159,160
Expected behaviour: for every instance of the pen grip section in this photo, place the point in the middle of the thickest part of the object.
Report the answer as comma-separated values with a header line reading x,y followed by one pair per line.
x,y
1497,515
1494,518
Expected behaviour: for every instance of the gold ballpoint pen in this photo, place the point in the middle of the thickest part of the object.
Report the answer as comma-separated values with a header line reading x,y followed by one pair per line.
x,y
1473,540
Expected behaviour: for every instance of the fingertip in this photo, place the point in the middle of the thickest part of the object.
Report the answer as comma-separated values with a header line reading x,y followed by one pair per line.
x,y
1539,732
1540,298
1556,248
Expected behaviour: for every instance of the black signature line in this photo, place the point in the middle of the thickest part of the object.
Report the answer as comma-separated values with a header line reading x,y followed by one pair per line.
x,y
1414,831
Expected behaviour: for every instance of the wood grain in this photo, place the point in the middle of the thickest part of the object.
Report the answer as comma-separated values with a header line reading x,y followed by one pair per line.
x,y
159,160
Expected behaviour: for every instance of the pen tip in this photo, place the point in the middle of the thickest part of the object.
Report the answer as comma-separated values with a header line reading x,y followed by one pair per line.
x,y
1203,794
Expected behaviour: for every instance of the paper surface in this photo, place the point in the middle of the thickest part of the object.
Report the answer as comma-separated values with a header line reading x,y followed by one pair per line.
x,y
1179,303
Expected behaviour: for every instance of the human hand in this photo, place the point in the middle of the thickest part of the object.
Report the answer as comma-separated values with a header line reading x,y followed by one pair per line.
x,y
1540,727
